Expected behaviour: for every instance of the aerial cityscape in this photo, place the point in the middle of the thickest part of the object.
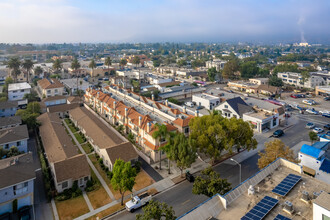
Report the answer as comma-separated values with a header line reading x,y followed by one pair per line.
x,y
192,110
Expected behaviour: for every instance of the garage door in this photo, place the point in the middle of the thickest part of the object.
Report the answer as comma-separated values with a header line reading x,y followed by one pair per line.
x,y
23,202
6,208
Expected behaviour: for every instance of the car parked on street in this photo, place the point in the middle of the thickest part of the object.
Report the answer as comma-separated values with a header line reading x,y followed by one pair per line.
x,y
310,125
312,111
327,115
318,130
327,98
295,96
278,133
327,126
309,101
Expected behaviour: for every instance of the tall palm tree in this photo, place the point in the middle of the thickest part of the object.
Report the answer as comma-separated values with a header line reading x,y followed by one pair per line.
x,y
28,65
75,65
92,65
38,70
161,134
108,62
57,65
14,63
136,61
122,62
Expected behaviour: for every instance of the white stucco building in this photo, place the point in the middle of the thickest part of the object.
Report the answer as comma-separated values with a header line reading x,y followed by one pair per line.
x,y
206,100
16,92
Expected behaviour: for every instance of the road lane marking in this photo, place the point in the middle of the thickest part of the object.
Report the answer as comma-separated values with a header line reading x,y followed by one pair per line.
x,y
185,202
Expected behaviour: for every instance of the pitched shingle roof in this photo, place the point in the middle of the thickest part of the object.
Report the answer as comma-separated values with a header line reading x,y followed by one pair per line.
x,y
8,104
9,121
124,151
239,106
13,134
50,84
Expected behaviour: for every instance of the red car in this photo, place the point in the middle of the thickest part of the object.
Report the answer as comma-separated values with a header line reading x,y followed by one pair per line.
x,y
294,96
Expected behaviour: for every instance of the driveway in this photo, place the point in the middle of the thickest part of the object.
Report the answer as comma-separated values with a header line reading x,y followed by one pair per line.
x,y
150,171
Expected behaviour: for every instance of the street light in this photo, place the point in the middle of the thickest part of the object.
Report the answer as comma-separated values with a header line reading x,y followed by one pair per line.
x,y
240,169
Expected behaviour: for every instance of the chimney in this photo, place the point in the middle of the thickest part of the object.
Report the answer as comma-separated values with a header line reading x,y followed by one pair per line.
x,y
114,105
98,94
132,88
140,121
166,102
185,109
126,110
153,97
196,113
148,126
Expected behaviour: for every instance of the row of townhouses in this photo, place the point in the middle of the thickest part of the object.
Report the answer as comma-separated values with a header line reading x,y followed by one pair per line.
x,y
138,116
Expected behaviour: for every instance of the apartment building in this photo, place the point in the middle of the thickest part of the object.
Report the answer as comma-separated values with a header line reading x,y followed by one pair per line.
x,y
8,108
217,63
17,182
106,143
50,87
67,165
138,115
131,74
16,92
14,136
206,100
296,80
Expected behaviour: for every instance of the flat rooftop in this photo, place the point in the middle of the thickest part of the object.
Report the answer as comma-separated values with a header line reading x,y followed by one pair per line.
x,y
206,96
302,210
18,86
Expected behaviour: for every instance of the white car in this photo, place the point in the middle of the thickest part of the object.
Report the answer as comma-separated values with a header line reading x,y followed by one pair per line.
x,y
309,102
310,125
318,130
189,104
324,112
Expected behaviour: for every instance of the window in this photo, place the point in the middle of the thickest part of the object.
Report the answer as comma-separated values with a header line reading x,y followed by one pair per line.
x,y
324,217
20,188
22,90
86,178
48,91
226,106
7,146
18,143
186,130
56,90
64,184
81,181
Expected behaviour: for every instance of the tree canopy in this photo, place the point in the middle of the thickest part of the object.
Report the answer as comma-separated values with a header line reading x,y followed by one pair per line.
x,y
230,70
75,64
123,62
209,183
211,73
30,114
313,136
286,67
123,178
27,65
273,150
275,81
182,62
156,211
212,134
14,64
57,65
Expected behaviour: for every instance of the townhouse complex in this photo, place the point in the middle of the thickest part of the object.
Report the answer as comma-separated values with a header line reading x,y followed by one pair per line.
x,y
138,115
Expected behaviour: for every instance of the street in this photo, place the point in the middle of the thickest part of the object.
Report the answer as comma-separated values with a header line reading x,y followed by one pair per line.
x,y
180,196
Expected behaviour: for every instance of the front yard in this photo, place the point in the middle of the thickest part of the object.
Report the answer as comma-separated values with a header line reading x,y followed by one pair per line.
x,y
87,148
70,125
72,208
108,211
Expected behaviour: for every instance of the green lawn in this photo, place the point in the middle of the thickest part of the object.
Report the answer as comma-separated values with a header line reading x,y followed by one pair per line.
x,y
87,148
79,138
69,123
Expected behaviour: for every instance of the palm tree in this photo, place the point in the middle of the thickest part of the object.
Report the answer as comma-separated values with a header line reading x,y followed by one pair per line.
x,y
92,65
75,65
161,134
136,61
14,63
122,62
57,65
108,62
28,65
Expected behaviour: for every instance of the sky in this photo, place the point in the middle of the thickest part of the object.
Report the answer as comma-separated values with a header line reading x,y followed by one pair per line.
x,y
115,21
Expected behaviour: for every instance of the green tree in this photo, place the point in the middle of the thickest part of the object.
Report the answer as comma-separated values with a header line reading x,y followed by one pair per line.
x,y
211,73
313,136
30,114
161,134
157,211
230,70
31,97
182,62
249,69
209,183
13,151
179,150
156,63
123,178
14,65
57,65
92,65
136,60
27,65
273,150
75,65
305,76
122,63
37,71
275,81
108,62
286,67
197,63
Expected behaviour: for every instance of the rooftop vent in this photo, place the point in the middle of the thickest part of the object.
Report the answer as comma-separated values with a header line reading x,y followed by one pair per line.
x,y
305,196
288,206
316,194
251,190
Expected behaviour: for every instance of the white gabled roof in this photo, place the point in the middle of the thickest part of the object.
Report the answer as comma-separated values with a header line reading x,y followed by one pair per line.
x,y
18,86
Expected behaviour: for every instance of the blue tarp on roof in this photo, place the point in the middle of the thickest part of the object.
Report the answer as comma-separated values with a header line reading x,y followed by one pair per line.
x,y
311,151
320,144
325,166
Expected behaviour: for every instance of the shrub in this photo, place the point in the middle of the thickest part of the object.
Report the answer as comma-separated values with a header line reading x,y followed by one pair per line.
x,y
97,156
101,161
137,166
109,174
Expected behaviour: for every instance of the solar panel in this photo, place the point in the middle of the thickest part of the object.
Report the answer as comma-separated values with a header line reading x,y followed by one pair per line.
x,y
281,217
286,185
260,210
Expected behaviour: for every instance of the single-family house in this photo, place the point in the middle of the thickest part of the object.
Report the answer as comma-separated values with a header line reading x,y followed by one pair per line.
x,y
50,87
234,107
10,121
8,108
14,137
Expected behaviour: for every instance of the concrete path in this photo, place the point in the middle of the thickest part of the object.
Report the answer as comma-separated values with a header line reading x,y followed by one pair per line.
x,y
104,184
54,210
88,202
95,211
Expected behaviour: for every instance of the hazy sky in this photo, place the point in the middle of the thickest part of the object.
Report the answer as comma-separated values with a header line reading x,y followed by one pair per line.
x,y
58,21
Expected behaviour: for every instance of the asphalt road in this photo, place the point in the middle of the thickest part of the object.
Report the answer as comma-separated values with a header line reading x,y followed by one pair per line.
x,y
180,196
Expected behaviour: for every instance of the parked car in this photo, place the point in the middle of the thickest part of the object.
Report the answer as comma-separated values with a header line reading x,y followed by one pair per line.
x,y
24,213
199,107
310,125
137,202
189,104
327,126
327,98
190,177
312,111
278,133
294,96
309,101
318,130
327,115
324,112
